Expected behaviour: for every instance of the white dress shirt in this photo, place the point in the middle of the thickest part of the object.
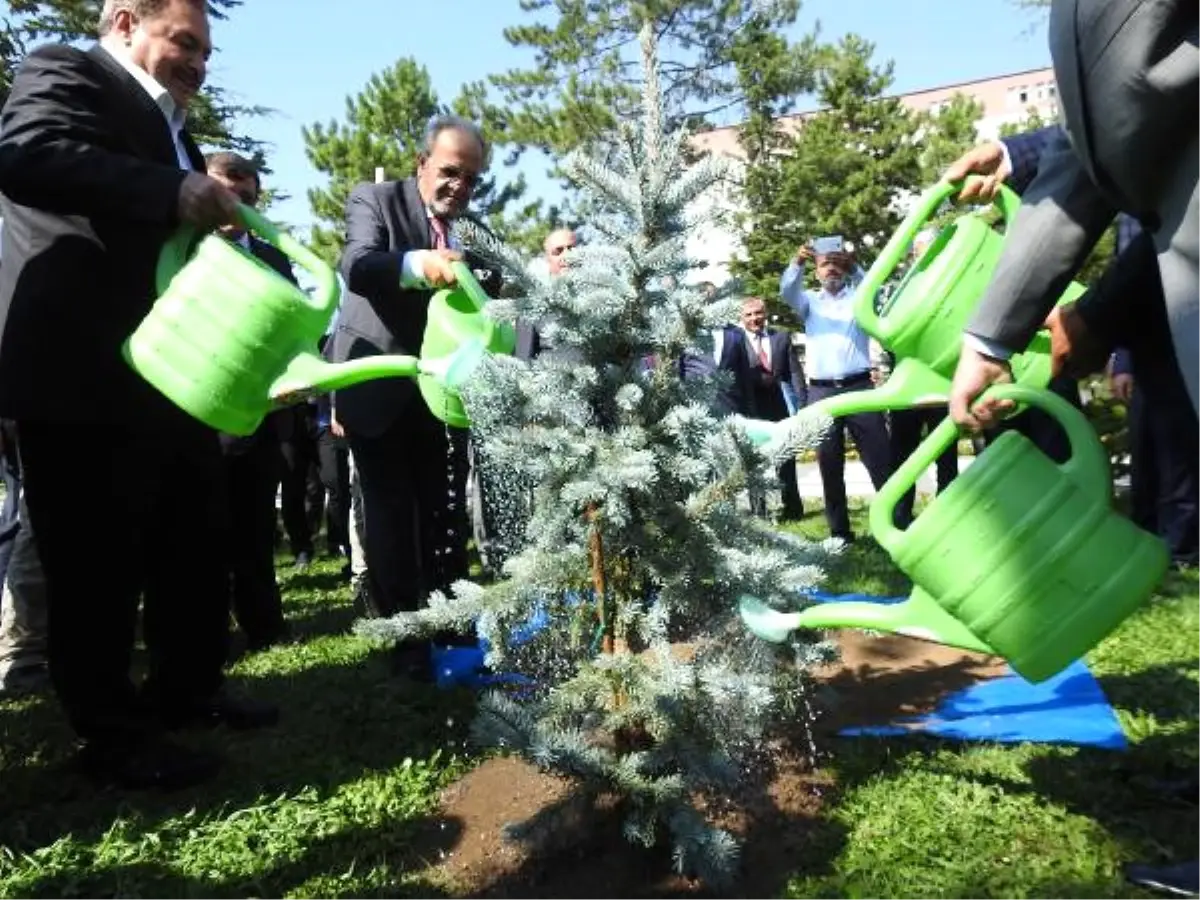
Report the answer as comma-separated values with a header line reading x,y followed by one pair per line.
x,y
836,347
175,116
410,270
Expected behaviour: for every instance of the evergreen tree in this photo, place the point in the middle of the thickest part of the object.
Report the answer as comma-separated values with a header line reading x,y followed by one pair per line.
x,y
586,77
947,134
843,172
212,115
384,127
643,681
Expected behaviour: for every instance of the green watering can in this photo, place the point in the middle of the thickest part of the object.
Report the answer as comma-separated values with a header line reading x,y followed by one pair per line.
x,y
912,383
926,314
229,338
456,320
1028,555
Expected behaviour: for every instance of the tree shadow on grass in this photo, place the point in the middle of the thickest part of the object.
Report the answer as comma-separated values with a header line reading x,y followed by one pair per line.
x,y
356,862
339,723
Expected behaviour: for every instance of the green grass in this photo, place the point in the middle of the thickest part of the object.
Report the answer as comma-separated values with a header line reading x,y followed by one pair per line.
x,y
918,818
341,798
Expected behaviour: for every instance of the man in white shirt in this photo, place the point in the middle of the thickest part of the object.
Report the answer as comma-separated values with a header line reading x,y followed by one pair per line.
x,y
838,360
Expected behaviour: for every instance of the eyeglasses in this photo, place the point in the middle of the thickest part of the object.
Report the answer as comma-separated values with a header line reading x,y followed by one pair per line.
x,y
454,173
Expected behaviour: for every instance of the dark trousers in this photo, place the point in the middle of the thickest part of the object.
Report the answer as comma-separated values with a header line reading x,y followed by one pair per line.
x,y
120,525
333,459
10,522
869,431
909,426
1163,468
251,478
413,479
299,452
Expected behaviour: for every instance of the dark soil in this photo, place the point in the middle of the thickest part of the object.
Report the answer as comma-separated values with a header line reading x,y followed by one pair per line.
x,y
578,850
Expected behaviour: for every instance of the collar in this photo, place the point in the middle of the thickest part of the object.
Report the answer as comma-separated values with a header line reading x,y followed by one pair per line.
x,y
160,95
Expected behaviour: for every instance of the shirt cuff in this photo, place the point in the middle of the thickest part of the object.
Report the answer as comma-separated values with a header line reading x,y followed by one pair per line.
x,y
986,347
410,270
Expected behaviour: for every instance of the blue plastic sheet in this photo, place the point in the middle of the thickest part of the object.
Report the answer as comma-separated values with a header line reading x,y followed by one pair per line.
x,y
1069,708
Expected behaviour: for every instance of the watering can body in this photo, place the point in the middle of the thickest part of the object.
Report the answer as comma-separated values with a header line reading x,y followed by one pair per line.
x,y
456,316
1027,554
926,314
229,338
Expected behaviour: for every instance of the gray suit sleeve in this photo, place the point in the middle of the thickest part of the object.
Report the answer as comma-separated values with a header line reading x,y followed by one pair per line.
x,y
1063,214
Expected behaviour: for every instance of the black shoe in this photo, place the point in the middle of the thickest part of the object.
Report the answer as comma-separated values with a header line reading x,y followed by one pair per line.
x,y
413,660
30,679
847,536
1178,880
149,764
221,708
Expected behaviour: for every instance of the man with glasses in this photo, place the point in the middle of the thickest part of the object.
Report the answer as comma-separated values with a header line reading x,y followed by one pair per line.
x,y
412,468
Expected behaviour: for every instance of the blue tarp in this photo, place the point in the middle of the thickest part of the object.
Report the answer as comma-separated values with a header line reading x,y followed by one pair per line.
x,y
1069,708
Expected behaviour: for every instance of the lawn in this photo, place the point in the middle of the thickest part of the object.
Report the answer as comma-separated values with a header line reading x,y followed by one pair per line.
x,y
341,798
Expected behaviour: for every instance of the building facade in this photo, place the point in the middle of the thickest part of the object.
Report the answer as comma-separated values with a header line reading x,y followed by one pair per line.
x,y
1005,99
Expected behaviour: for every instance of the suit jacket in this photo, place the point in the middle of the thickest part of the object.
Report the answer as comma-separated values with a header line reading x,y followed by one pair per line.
x,y
1128,73
755,393
383,221
277,425
90,182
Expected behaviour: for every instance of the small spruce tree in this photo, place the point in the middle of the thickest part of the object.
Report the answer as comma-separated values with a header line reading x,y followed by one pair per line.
x,y
642,682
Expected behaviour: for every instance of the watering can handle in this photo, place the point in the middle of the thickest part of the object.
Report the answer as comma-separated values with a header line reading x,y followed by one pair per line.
x,y
897,248
175,252
1087,465
465,279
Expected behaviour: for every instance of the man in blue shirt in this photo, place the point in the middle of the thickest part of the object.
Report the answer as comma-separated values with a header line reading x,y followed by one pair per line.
x,y
838,361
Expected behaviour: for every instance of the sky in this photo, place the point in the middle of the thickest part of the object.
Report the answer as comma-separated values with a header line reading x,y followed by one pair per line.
x,y
303,58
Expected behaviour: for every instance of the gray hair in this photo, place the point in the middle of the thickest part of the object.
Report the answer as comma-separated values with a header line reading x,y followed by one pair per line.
x,y
143,9
441,123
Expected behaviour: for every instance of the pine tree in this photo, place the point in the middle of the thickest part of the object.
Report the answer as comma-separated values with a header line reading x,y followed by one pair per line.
x,y
642,681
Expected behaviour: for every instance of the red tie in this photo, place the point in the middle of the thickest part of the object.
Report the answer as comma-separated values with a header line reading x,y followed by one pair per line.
x,y
762,353
440,239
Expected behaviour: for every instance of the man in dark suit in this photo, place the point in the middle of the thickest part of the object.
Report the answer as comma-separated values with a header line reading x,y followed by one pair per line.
x,y
96,171
761,362
1127,306
1127,73
412,467
253,464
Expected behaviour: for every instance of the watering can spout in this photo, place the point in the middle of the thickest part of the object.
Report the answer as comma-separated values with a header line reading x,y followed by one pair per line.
x,y
912,383
308,374
919,617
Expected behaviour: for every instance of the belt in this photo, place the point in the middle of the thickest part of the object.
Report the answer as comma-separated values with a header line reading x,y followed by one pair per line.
x,y
844,381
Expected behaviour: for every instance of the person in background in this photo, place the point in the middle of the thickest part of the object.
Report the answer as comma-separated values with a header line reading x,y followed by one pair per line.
x,y
761,362
838,361
252,464
909,426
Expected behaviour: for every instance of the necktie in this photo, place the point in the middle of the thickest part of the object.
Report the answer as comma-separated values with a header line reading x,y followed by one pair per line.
x,y
762,353
441,240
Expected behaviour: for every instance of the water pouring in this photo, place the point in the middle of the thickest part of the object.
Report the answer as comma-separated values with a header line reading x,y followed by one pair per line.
x,y
229,338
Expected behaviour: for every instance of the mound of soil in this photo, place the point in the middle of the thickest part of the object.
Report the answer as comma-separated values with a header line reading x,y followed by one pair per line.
x,y
578,850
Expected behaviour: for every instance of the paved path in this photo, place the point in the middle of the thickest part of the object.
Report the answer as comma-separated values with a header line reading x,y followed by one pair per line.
x,y
858,483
